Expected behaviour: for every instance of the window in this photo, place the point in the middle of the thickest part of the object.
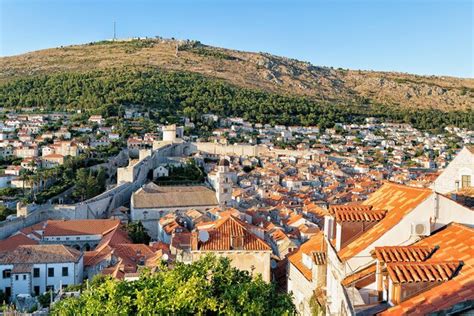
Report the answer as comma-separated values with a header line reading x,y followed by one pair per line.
x,y
237,242
24,276
51,272
7,273
36,290
16,277
49,288
65,271
36,273
465,181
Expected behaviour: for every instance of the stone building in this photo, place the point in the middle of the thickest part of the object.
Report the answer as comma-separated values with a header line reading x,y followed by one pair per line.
x,y
151,202
459,174
35,269
232,238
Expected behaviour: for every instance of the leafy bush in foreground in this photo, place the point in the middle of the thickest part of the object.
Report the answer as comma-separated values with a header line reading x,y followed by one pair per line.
x,y
208,286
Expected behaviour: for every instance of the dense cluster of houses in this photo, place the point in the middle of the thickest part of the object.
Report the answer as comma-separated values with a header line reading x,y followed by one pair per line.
x,y
34,141
351,220
394,250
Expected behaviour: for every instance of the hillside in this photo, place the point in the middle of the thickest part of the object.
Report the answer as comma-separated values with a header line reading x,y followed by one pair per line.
x,y
260,71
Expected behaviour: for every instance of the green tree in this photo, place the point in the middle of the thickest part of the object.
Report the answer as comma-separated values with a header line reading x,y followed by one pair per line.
x,y
45,299
82,186
207,286
170,94
101,180
137,233
4,212
190,112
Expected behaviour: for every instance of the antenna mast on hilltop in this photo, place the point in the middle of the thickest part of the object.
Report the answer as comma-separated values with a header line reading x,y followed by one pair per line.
x,y
115,33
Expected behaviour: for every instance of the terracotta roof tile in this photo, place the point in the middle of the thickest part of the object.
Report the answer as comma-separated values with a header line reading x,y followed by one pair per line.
x,y
456,243
349,207
403,253
294,218
80,227
114,237
132,254
399,200
181,240
91,258
41,254
312,245
12,242
359,216
230,230
409,272
315,209
358,276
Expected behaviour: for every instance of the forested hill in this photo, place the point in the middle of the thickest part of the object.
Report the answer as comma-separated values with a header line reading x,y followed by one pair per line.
x,y
172,76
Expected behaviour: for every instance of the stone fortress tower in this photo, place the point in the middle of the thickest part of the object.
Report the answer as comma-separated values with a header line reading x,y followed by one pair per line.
x,y
223,185
171,133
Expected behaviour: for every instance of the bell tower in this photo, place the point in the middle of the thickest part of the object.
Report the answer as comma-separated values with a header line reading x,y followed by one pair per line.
x,y
223,183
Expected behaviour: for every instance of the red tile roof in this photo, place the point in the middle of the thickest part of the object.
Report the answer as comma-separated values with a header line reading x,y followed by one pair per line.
x,y
315,209
359,216
399,200
349,207
92,258
409,272
456,242
12,242
293,218
360,275
41,254
131,254
80,227
33,228
220,238
114,237
314,244
403,253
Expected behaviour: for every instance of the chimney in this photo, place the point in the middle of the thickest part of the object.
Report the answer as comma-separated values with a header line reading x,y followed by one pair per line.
x,y
194,240
328,227
338,236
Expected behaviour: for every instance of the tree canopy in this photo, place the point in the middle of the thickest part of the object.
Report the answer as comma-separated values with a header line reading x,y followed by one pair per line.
x,y
208,286
173,93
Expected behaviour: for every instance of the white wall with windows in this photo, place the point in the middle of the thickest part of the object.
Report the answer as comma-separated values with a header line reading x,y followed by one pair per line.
x,y
41,278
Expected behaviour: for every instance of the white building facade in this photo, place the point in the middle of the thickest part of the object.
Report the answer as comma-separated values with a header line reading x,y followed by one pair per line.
x,y
35,269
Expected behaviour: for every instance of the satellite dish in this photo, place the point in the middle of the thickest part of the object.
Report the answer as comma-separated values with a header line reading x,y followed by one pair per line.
x,y
203,235
165,257
273,264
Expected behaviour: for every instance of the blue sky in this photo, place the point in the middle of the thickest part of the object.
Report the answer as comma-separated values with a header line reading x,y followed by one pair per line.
x,y
416,36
